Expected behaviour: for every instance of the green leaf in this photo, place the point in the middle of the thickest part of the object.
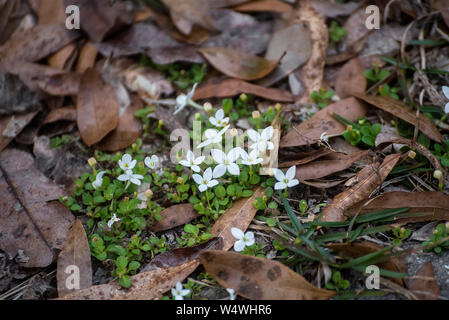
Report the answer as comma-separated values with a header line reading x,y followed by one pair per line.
x,y
125,282
121,262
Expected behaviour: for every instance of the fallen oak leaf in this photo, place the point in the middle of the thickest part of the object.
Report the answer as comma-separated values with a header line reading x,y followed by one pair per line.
x,y
369,178
238,64
401,110
238,216
259,279
175,216
76,252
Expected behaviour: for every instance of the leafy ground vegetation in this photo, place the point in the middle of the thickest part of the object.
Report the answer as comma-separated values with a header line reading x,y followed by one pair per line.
x,y
224,150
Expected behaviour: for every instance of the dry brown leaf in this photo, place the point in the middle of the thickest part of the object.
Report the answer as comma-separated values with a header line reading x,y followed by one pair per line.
x,y
76,252
148,285
175,216
234,87
351,79
309,132
239,216
306,157
259,279
426,286
293,46
65,84
333,9
265,6
50,11
31,217
97,108
311,74
11,126
86,59
67,113
443,7
401,110
128,130
323,168
369,178
238,64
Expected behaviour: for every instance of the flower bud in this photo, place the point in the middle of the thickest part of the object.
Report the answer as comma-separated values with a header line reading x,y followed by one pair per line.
x,y
207,107
180,180
149,193
92,162
243,97
278,107
437,174
197,116
412,154
160,123
234,132
256,114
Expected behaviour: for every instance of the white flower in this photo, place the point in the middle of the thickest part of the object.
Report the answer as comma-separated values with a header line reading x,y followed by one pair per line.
x,y
152,162
324,138
127,162
185,99
113,220
219,120
251,159
129,176
446,93
98,180
212,136
205,181
261,141
243,239
285,180
226,162
232,295
179,292
191,162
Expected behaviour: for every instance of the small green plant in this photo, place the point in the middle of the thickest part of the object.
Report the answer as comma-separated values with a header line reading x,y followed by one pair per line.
x,y
59,142
360,132
336,32
192,235
387,91
401,234
437,239
442,152
338,283
375,75
322,98
255,250
303,206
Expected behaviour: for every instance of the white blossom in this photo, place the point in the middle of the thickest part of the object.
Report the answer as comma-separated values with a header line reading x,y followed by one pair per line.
x,y
252,158
243,239
152,162
212,136
192,162
127,162
130,176
186,99
286,180
98,180
219,120
179,292
446,94
205,182
113,220
232,295
226,162
261,142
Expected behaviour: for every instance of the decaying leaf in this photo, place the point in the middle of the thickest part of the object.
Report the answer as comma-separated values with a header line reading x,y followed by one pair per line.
x,y
238,64
65,84
175,216
400,110
148,285
334,9
76,252
16,97
180,256
351,79
31,218
265,6
292,45
259,279
310,131
86,59
239,216
369,178
425,287
11,126
67,113
234,87
97,108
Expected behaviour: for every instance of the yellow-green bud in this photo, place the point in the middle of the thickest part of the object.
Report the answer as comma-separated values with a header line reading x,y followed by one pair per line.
x,y
180,180
437,174
412,154
197,116
149,193
243,97
234,132
160,123
92,162
256,115
207,107
278,107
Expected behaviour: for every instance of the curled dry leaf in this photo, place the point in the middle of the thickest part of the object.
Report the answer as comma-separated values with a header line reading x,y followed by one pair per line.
x,y
309,132
310,75
11,126
323,168
259,279
76,252
67,113
175,216
351,79
239,216
401,110
180,256
425,287
238,64
97,107
233,87
265,6
369,178
148,285
292,45
86,59
30,218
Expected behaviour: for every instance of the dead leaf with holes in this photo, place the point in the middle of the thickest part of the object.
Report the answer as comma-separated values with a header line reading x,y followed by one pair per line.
x,y
76,252
259,279
369,178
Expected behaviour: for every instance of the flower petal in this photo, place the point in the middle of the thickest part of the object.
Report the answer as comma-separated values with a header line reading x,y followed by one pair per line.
x,y
291,172
446,91
219,115
219,171
234,154
212,183
293,183
185,163
279,175
249,235
132,164
202,187
218,155
234,169
179,298
207,174
267,133
280,186
199,160
197,178
195,168
210,133
237,233
127,158
213,121
253,135
239,245
123,177
446,108
135,181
